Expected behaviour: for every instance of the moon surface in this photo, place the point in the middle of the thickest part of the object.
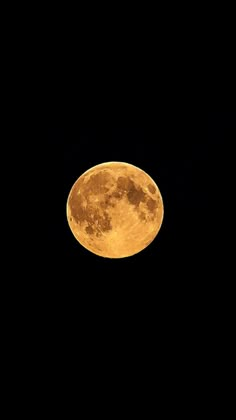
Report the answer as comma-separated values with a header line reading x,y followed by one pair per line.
x,y
114,209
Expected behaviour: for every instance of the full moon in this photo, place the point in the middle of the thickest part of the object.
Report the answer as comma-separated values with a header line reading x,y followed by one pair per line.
x,y
114,209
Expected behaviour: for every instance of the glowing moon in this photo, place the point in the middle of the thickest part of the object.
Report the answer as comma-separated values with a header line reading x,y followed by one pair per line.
x,y
115,209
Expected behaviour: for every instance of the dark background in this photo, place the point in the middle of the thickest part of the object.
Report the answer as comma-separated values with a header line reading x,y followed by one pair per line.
x,y
158,310
164,306
184,152
157,321
181,151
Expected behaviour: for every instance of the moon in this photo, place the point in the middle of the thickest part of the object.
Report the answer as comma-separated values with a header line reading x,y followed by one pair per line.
x,y
114,209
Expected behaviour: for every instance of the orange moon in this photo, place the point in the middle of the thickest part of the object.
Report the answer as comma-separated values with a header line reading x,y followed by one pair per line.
x,y
114,209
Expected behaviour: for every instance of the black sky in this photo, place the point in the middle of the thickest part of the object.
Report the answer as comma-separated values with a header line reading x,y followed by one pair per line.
x,y
179,150
155,303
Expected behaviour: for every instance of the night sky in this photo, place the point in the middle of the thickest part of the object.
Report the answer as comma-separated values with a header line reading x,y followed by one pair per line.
x,y
161,321
181,152
160,308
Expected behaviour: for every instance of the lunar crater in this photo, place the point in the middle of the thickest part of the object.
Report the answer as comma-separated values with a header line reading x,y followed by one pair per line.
x,y
151,188
151,204
136,195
